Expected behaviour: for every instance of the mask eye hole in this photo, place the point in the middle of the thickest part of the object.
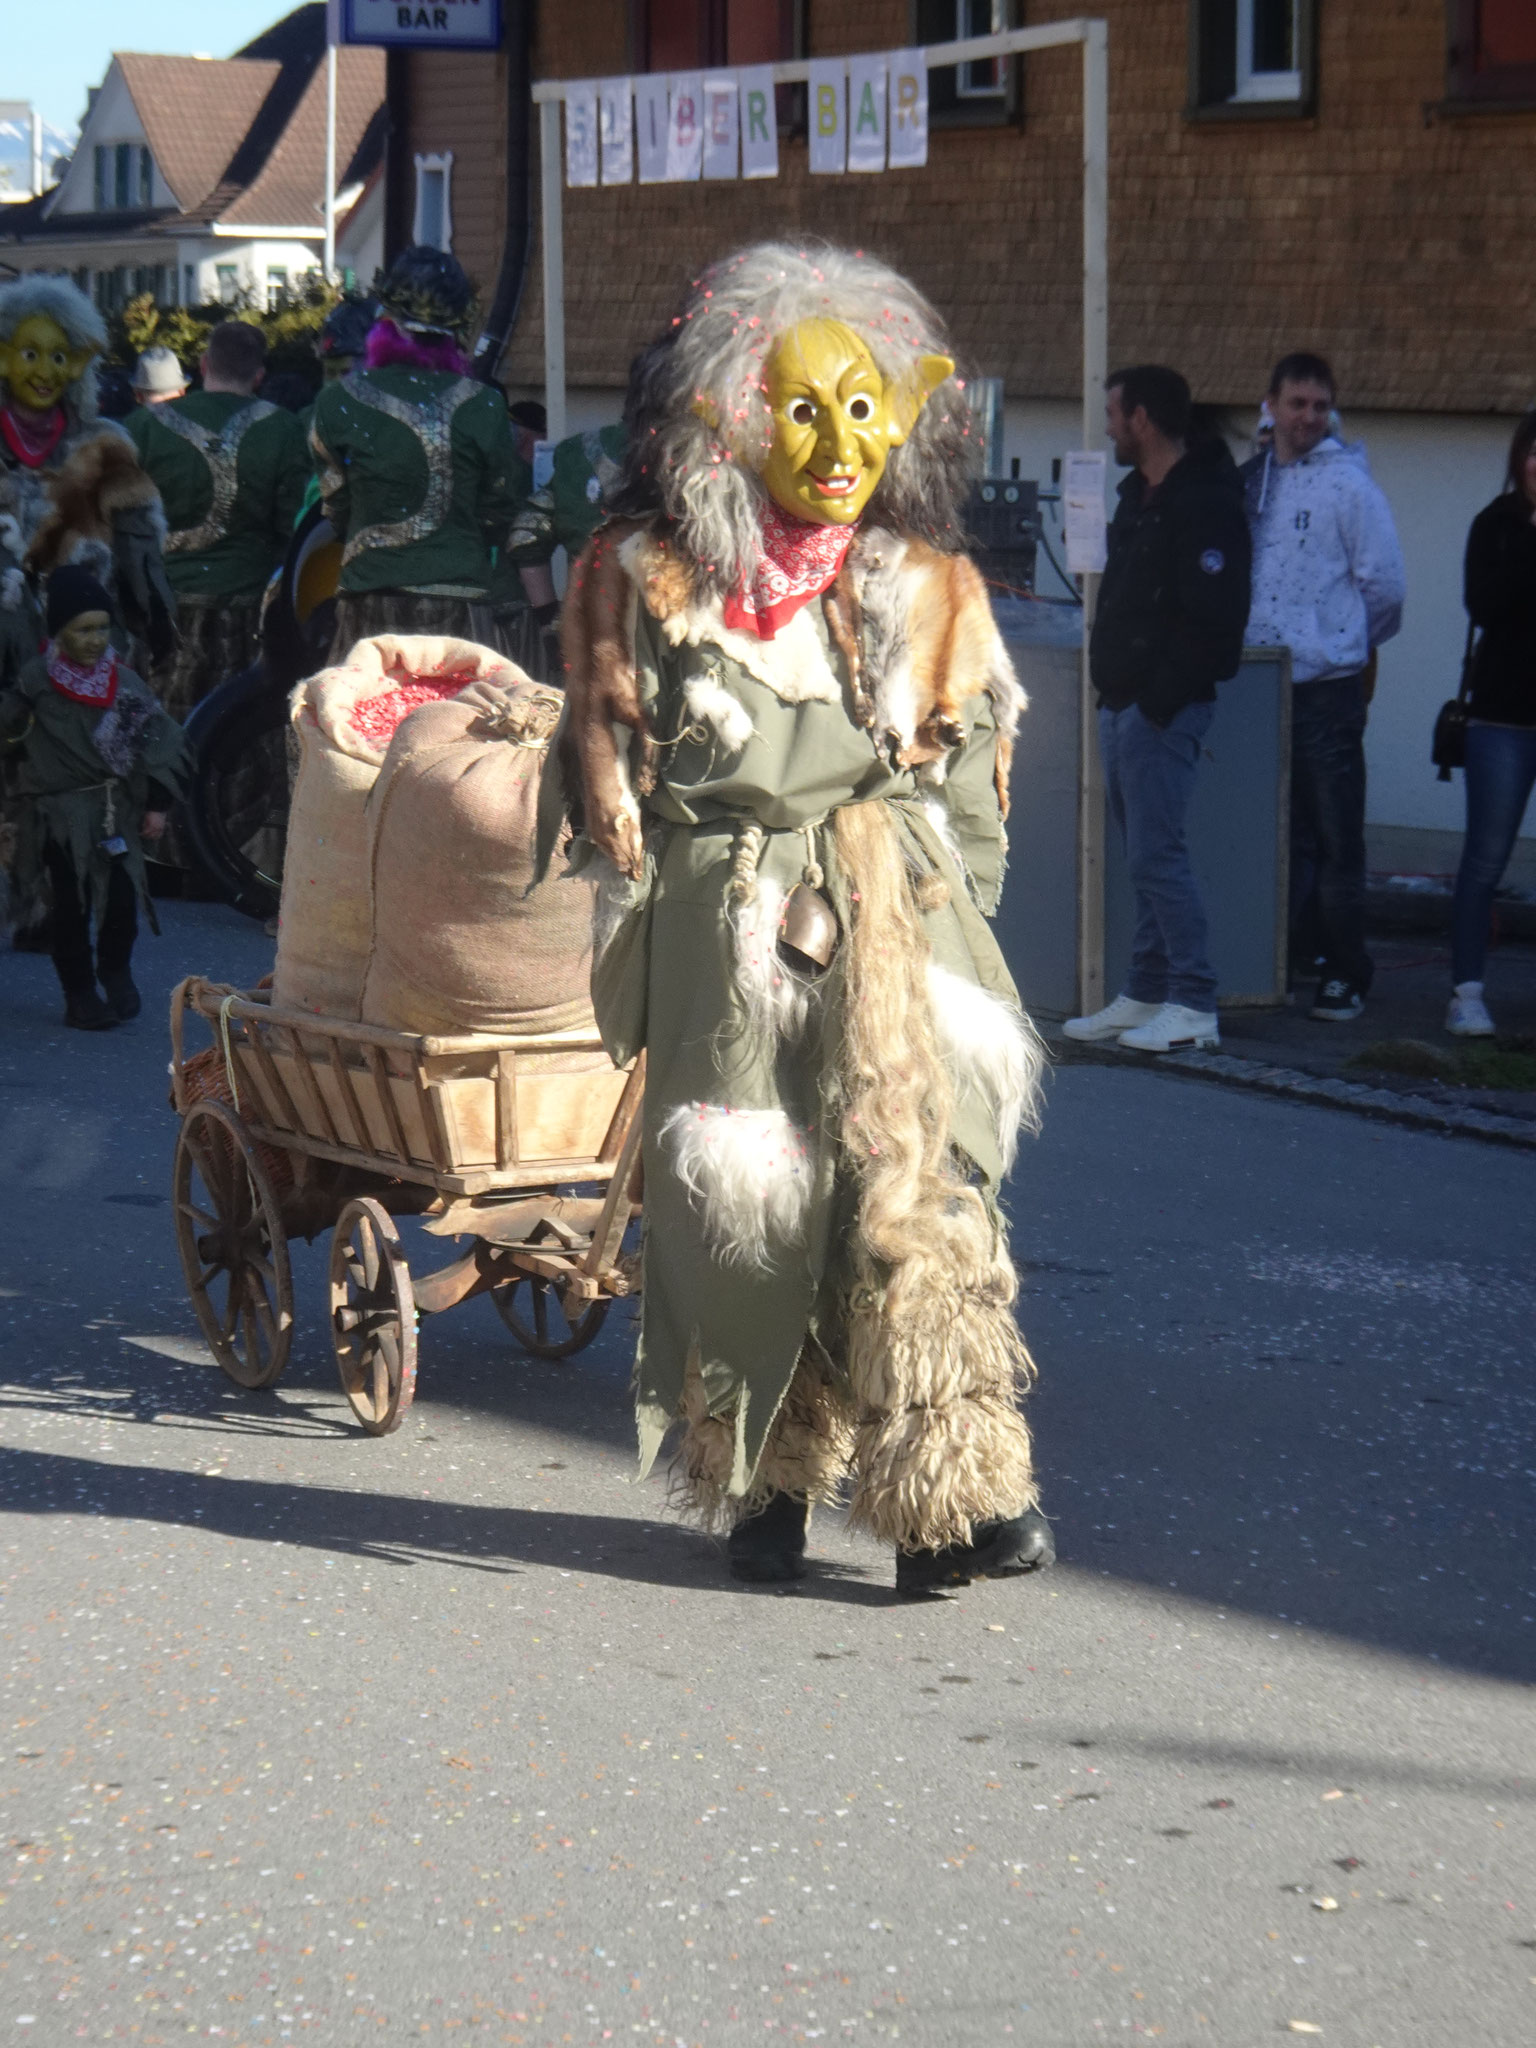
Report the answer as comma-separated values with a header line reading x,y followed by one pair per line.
x,y
802,412
861,410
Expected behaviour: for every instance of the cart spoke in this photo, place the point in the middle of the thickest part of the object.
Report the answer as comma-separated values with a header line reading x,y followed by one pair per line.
x,y
541,1311
370,1250
381,1389
200,1217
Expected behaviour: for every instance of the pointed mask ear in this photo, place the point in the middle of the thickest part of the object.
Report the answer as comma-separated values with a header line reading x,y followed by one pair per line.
x,y
79,359
910,396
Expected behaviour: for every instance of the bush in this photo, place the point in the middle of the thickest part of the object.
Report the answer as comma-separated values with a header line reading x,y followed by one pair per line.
x,y
290,328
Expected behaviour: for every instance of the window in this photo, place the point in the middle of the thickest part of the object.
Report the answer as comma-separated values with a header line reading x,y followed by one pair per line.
x,y
227,276
277,286
1251,57
968,95
691,35
103,193
434,203
122,173
189,284
1492,54
146,178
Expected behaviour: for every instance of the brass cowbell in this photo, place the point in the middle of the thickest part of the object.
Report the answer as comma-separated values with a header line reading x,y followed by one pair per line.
x,y
808,935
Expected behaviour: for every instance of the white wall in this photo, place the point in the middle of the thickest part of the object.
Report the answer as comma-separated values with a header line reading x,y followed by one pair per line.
x,y
114,118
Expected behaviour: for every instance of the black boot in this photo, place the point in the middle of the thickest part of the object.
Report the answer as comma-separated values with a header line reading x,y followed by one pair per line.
x,y
998,1550
84,1010
769,1547
124,998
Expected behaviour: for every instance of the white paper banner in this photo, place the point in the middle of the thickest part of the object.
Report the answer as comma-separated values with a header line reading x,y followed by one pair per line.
x,y
829,118
685,128
616,130
651,128
759,122
866,113
908,149
1082,511
720,121
581,135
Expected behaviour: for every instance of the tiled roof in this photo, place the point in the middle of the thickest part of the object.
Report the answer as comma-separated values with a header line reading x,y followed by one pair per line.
x,y
195,114
288,190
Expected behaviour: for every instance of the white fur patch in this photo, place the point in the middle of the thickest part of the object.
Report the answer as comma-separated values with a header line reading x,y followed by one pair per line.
x,y
793,664
749,1173
713,706
13,587
994,1047
775,998
623,737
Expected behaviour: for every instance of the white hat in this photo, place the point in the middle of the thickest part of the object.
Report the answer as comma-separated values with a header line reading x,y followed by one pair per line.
x,y
159,373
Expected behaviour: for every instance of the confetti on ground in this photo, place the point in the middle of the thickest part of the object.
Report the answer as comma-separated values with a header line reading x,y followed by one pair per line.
x,y
1325,1905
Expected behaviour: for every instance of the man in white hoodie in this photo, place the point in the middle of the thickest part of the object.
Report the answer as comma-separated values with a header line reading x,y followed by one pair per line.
x,y
1327,584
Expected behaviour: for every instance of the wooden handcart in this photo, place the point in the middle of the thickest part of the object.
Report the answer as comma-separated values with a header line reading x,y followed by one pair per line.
x,y
292,1124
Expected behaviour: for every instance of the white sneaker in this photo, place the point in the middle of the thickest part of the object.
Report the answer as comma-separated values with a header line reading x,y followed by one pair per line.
x,y
1468,1015
1109,1022
1174,1029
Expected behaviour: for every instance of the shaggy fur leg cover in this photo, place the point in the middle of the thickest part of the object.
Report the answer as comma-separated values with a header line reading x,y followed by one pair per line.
x,y
805,1456
935,1358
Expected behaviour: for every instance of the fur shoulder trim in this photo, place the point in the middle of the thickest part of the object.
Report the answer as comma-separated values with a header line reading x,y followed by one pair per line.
x,y
605,726
101,477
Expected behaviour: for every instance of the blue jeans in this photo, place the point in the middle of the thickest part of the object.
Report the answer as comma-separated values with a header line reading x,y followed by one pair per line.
x,y
1328,827
1501,769
1149,777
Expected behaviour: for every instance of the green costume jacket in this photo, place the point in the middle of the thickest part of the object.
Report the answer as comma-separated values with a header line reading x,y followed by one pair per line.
x,y
231,473
72,799
761,737
419,476
567,511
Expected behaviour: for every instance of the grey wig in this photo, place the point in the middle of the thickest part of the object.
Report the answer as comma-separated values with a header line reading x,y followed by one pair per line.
x,y
60,301
704,477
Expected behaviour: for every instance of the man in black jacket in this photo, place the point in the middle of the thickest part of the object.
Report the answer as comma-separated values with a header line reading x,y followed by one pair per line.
x,y
1169,628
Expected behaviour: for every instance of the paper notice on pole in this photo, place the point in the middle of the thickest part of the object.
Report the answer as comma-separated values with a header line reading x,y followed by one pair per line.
x,y
759,122
866,113
685,128
616,130
829,117
651,128
581,135
1082,511
720,124
909,110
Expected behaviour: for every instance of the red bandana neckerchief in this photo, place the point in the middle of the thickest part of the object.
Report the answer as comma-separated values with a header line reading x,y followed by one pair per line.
x,y
30,448
96,685
798,562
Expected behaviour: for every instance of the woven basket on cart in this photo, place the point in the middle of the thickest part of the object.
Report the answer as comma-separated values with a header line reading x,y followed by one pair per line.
x,y
203,1077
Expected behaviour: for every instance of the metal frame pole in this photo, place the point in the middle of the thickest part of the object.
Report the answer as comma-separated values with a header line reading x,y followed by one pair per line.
x,y
328,260
551,180
1090,773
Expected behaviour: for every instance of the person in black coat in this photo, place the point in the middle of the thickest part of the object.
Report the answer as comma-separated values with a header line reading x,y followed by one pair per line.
x,y
1500,591
1168,629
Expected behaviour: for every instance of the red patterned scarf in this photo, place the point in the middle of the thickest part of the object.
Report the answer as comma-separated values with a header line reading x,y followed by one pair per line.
x,y
799,561
30,446
96,685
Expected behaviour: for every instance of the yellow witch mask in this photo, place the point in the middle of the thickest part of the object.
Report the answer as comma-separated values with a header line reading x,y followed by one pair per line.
x,y
39,363
835,420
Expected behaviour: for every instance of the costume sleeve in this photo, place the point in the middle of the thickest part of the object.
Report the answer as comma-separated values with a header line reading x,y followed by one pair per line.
x,y
531,543
15,717
969,795
495,458
330,465
1375,560
283,478
1213,569
144,593
167,757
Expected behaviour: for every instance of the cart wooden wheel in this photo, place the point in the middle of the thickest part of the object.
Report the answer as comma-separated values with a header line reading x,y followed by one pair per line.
x,y
233,1246
373,1315
539,1321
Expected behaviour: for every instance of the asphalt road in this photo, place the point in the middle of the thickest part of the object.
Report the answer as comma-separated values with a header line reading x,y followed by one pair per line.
x,y
458,1735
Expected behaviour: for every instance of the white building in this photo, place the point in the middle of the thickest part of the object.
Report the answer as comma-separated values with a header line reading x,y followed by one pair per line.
x,y
202,180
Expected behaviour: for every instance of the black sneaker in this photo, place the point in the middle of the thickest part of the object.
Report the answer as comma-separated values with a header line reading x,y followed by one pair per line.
x,y
87,1012
1338,1001
768,1548
1001,1550
122,995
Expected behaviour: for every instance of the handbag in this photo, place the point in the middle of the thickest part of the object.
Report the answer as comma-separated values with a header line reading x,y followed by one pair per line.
x,y
1448,748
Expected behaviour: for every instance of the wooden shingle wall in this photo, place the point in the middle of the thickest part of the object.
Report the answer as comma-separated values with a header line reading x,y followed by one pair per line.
x,y
1393,240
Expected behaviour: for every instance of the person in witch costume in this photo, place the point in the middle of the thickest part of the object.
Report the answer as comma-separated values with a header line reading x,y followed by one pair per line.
x,y
419,474
789,722
99,766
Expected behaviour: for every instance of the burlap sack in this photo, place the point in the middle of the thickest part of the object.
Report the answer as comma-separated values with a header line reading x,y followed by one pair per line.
x,y
343,721
459,943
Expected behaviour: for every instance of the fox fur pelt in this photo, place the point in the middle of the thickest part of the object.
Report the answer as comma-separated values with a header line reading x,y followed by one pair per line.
x,y
913,625
101,478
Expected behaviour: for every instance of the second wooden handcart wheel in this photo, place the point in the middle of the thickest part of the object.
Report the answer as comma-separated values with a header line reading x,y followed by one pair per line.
x,y
373,1315
547,1328
230,1234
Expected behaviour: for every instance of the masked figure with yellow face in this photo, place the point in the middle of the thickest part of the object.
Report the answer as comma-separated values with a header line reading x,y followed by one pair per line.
x,y
789,724
71,486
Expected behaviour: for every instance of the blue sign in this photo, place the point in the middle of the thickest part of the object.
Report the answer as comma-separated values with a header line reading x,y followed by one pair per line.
x,y
418,24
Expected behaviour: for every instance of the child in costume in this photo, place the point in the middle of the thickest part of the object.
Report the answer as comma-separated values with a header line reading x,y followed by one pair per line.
x,y
99,765
789,723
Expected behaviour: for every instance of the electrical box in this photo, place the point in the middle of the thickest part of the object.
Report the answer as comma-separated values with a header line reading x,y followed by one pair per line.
x,y
1002,524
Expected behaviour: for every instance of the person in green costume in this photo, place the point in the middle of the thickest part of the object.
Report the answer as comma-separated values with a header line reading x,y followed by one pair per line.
x,y
231,470
418,472
100,764
790,717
